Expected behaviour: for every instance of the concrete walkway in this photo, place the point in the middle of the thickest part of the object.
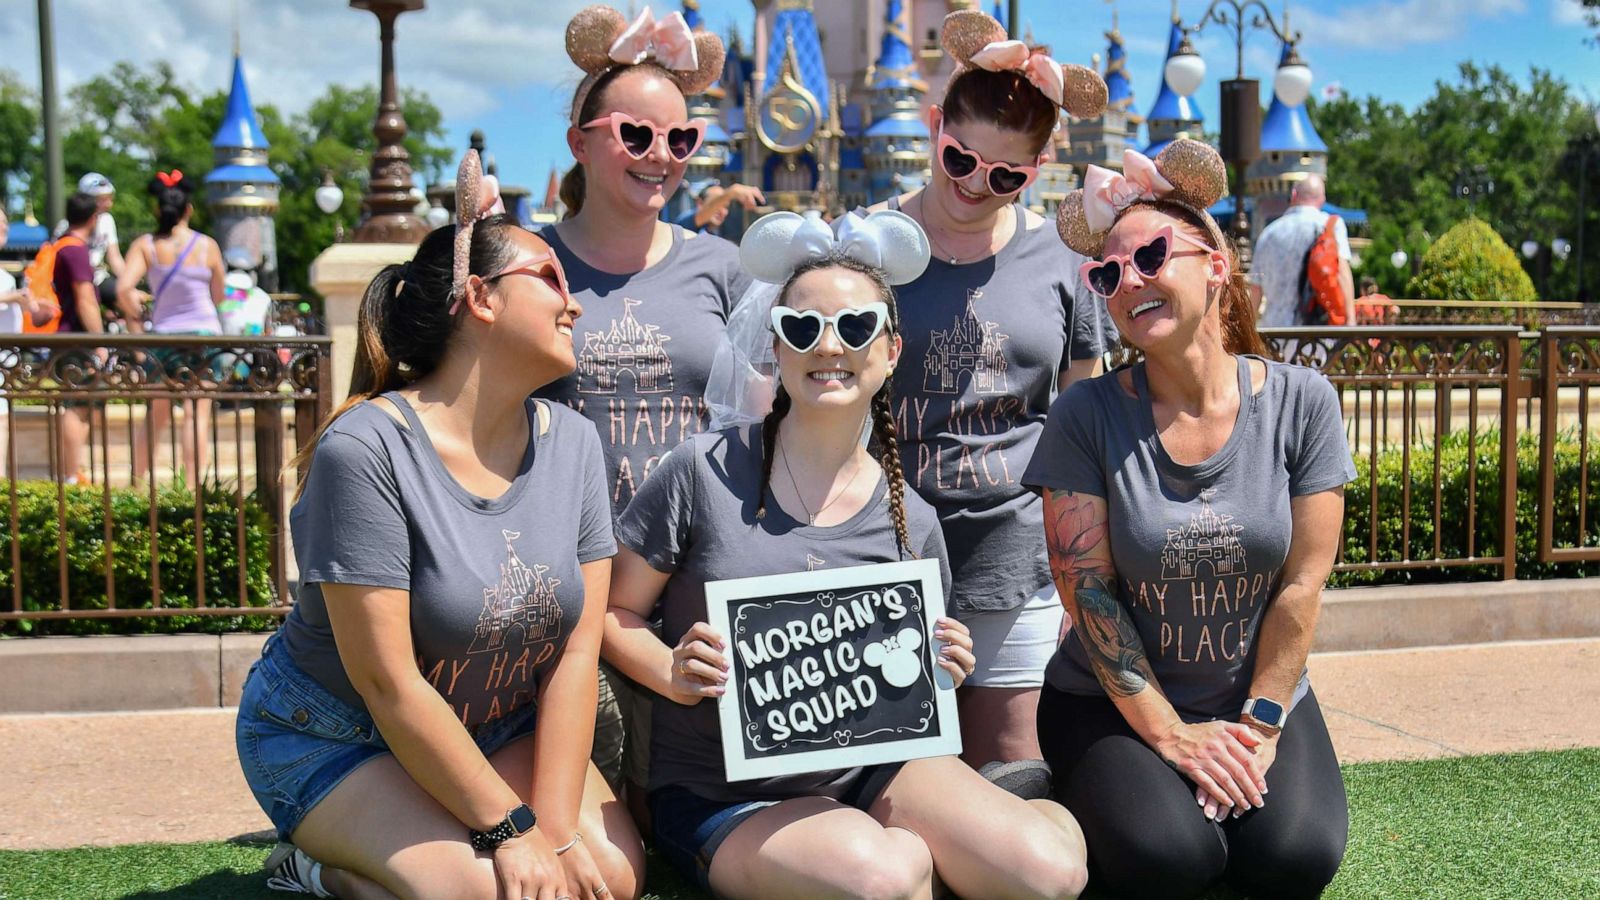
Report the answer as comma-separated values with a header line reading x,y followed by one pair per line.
x,y
119,778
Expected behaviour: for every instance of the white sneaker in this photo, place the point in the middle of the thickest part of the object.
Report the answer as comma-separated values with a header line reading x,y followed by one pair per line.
x,y
290,870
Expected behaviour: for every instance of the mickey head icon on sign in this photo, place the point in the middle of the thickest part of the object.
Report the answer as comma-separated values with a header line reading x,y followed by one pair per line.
x,y
897,657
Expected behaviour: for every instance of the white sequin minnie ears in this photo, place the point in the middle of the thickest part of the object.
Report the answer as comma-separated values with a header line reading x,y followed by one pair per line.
x,y
887,240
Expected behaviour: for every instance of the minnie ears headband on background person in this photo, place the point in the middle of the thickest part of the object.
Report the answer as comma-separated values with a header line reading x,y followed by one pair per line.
x,y
1188,173
599,39
477,197
887,240
977,41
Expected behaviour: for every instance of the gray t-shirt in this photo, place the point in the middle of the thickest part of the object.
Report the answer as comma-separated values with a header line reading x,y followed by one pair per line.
x,y
984,346
495,585
644,345
1197,549
696,519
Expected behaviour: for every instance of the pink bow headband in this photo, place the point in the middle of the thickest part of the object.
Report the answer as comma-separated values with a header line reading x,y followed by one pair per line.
x,y
1107,193
1041,71
477,198
669,42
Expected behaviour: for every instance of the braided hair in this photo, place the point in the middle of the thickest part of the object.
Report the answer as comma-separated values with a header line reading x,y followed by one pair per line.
x,y
884,446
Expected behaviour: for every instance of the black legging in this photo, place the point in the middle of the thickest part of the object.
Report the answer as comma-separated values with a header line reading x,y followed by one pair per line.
x,y
1148,838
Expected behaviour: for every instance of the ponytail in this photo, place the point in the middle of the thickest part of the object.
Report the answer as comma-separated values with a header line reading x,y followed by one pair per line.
x,y
171,191
572,190
404,325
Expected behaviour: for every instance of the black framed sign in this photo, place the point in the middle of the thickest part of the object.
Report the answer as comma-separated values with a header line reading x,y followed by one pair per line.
x,y
833,669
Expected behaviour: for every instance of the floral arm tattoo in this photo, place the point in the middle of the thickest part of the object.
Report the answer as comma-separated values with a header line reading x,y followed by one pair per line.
x,y
1076,530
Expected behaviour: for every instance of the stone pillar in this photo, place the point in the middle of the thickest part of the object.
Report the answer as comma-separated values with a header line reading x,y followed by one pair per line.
x,y
341,274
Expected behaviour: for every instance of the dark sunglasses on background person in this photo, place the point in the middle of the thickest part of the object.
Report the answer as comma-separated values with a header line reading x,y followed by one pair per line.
x,y
1150,259
1003,178
801,331
637,136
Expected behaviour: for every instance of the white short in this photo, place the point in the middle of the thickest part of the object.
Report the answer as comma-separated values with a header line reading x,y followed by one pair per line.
x,y
1013,646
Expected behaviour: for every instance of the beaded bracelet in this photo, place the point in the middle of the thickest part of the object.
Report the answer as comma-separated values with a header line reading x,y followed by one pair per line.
x,y
577,836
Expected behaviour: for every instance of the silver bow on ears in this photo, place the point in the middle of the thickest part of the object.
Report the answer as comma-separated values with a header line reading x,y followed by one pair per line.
x,y
887,240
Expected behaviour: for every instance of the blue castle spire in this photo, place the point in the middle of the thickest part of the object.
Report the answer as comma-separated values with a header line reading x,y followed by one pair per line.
x,y
1119,89
1288,128
691,14
897,144
999,14
239,128
794,25
1171,113
241,190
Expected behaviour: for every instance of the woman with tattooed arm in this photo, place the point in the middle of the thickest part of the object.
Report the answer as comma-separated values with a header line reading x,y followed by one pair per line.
x,y
1192,510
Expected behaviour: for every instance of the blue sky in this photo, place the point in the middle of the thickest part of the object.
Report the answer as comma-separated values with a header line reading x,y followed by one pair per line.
x,y
496,65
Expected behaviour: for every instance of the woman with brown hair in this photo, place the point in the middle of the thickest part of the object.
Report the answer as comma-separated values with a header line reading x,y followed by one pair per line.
x,y
1193,503
800,491
420,725
657,295
993,329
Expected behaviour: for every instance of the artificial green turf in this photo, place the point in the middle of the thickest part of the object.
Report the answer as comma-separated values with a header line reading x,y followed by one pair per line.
x,y
1517,826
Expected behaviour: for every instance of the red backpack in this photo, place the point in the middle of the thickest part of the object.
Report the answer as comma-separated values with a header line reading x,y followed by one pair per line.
x,y
1321,296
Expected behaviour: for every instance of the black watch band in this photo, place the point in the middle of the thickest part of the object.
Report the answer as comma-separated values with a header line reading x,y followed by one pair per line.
x,y
518,821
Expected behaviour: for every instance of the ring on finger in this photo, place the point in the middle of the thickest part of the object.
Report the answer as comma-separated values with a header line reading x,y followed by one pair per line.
x,y
601,891
683,666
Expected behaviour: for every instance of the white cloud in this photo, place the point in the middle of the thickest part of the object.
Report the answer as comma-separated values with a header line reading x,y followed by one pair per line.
x,y
1397,23
1567,12
462,54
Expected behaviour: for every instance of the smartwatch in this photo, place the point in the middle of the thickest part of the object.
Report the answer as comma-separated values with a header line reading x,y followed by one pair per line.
x,y
1269,714
518,822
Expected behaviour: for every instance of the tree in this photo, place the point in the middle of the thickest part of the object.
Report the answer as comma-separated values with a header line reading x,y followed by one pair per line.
x,y
1402,167
19,131
130,122
1471,262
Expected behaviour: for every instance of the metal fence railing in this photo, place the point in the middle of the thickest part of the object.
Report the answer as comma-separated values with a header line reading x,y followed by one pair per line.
x,y
142,472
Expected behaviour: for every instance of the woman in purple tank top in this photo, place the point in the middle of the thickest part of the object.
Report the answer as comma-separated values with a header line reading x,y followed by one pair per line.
x,y
183,269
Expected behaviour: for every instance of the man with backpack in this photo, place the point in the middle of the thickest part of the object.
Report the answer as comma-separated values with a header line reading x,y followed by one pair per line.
x,y
72,283
1302,263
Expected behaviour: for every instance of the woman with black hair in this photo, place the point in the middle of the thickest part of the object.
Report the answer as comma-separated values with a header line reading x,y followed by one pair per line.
x,y
420,725
993,329
184,270
802,491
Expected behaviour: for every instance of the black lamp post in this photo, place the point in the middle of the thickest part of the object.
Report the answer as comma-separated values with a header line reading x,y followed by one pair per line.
x,y
1585,146
389,202
1241,96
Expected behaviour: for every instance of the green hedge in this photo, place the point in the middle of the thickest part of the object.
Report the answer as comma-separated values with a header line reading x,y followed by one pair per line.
x,y
39,535
1453,471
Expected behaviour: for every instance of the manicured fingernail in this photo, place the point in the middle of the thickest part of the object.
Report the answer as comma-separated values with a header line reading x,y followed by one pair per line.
x,y
1237,813
1199,801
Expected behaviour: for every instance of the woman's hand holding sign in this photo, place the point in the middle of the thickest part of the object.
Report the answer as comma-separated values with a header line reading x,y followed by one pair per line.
x,y
698,667
955,656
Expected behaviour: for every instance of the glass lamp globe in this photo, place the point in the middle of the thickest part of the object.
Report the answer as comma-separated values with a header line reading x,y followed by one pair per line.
x,y
1530,249
1185,71
437,217
1292,83
1398,259
329,197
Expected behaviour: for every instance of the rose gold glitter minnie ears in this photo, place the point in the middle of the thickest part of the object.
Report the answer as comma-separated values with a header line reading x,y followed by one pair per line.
x,y
477,198
1188,173
599,39
976,40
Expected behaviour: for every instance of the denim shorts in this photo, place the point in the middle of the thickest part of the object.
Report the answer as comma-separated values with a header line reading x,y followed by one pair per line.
x,y
689,828
297,740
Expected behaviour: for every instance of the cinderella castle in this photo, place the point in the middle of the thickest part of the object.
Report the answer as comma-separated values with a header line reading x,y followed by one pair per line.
x,y
827,110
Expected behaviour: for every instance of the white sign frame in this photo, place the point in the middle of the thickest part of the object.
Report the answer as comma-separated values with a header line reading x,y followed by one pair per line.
x,y
722,595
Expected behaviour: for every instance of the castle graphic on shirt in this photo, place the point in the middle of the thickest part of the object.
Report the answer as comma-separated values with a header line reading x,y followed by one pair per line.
x,y
813,563
972,349
1208,538
523,603
628,346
